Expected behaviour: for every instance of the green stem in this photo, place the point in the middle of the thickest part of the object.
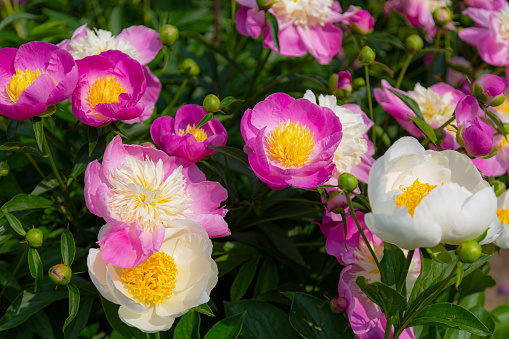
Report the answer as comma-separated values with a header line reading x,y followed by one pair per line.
x,y
37,168
370,106
158,335
402,279
403,69
17,25
388,328
176,96
14,272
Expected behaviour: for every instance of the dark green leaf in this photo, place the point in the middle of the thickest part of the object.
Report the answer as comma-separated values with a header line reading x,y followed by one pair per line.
x,y
118,131
48,112
496,120
450,315
115,22
384,67
274,29
44,186
268,277
392,264
440,254
19,147
228,101
204,309
188,326
83,159
73,330
243,279
111,311
16,16
481,314
459,274
313,318
4,276
74,304
228,328
385,37
15,224
35,266
232,152
390,301
435,50
409,102
426,129
477,281
39,132
23,202
93,137
41,325
67,247
283,242
12,128
205,119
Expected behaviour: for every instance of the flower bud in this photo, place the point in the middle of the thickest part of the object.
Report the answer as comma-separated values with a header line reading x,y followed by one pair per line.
x,y
469,251
4,169
366,55
476,137
336,202
489,89
338,304
414,43
264,4
358,83
347,182
466,21
211,103
442,16
189,67
168,34
362,22
148,144
60,274
498,187
34,237
340,84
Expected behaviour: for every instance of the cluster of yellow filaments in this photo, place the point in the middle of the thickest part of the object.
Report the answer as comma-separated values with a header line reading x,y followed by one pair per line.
x,y
197,132
413,195
20,81
503,215
291,144
105,90
153,281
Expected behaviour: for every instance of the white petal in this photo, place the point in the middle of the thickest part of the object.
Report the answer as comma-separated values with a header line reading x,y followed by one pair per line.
x,y
121,293
148,322
503,240
503,200
464,171
494,232
310,96
97,271
181,302
403,146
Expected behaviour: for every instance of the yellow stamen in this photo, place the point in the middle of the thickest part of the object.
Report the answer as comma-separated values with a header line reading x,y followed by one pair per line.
x,y
20,81
105,90
413,195
503,215
152,281
291,144
198,132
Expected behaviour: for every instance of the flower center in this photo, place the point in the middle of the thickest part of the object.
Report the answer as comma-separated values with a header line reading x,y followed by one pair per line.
x,y
503,215
105,90
504,22
198,132
98,41
435,108
291,144
503,109
141,194
152,281
413,195
20,81
306,13
366,261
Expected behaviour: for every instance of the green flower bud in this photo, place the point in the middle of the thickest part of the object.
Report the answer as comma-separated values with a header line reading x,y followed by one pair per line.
x,y
34,237
333,83
60,274
189,67
358,83
168,34
4,169
497,101
469,251
466,21
211,103
414,43
366,55
498,187
347,182
264,4
442,16
478,92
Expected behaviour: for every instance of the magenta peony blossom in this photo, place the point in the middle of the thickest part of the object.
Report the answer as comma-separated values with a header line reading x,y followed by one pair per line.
x,y
140,191
291,142
361,21
486,4
181,137
35,76
366,318
304,26
109,88
476,135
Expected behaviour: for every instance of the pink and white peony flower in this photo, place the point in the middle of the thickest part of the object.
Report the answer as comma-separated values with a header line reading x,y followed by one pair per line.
x,y
503,215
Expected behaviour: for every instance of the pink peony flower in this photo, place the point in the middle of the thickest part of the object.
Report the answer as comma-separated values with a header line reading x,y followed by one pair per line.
x,y
139,42
486,4
140,191
291,142
109,88
304,26
35,76
361,21
181,137
366,318
489,89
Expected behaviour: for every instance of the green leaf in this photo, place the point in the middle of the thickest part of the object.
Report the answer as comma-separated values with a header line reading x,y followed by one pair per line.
x,y
15,224
16,146
74,328
279,237
228,328
390,301
48,112
392,264
232,152
188,326
39,132
93,137
12,129
384,67
497,121
26,304
228,101
67,247
4,276
450,315
481,314
459,274
204,309
268,277
409,102
477,281
83,158
243,279
111,311
436,50
205,119
426,129
74,304
440,254
16,16
385,37
312,318
262,320
35,266
41,325
23,202
118,131
44,186
274,29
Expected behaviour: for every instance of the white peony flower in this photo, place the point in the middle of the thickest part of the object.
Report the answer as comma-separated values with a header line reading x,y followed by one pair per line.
x,y
421,198
165,286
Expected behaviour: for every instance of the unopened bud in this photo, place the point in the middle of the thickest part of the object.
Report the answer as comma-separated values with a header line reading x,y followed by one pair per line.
x,y
414,43
469,251
189,67
60,274
366,55
264,4
211,103
442,16
4,169
34,237
358,83
347,182
498,187
338,304
168,34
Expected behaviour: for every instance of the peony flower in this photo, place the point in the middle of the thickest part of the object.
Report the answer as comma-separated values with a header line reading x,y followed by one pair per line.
x,y
354,154
109,88
291,142
181,137
304,26
422,198
436,103
140,191
366,318
359,20
35,76
171,281
486,4
139,42
490,36
503,215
